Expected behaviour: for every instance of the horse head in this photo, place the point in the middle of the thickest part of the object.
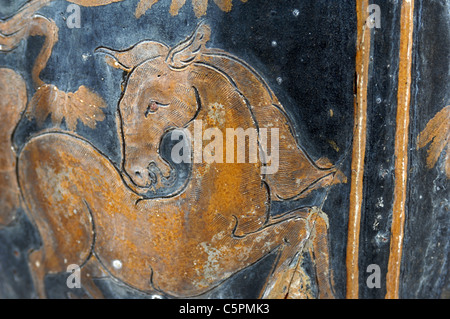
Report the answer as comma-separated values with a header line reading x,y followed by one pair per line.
x,y
157,98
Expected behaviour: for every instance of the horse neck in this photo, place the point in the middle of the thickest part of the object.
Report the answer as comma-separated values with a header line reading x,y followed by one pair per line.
x,y
222,105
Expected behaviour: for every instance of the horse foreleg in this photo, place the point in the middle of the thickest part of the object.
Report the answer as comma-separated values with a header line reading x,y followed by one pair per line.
x,y
288,279
320,254
91,270
37,268
289,255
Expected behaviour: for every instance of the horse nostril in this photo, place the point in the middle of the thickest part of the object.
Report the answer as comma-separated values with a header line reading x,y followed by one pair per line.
x,y
153,177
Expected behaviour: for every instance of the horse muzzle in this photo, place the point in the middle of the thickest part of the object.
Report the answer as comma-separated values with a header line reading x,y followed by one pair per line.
x,y
158,173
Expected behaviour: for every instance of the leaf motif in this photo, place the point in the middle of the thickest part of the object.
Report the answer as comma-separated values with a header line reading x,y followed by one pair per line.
x,y
437,131
224,5
83,105
176,6
143,6
199,6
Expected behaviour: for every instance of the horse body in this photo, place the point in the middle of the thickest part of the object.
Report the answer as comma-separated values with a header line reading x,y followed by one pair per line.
x,y
181,246
93,214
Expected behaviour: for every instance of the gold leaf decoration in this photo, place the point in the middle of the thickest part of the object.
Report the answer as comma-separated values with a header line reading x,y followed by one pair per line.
x,y
83,105
437,132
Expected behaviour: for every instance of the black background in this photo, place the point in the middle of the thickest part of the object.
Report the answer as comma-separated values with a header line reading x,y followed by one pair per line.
x,y
314,57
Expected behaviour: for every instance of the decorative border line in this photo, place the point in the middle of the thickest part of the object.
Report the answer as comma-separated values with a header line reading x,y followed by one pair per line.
x,y
359,148
401,149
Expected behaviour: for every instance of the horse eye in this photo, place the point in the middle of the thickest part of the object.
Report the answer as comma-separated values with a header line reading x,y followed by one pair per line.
x,y
154,106
151,108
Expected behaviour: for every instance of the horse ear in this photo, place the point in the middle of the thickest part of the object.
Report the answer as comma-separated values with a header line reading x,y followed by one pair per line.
x,y
129,58
187,51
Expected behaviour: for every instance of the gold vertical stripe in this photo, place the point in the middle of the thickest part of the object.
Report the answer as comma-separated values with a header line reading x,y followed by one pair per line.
x,y
359,148
401,148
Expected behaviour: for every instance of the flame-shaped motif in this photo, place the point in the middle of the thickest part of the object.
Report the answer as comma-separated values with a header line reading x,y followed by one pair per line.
x,y
199,6
437,132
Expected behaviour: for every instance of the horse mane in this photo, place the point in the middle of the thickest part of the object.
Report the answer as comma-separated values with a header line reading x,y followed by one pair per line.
x,y
298,173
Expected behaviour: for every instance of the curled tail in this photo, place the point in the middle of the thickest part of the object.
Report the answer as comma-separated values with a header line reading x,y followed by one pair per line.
x,y
13,94
13,101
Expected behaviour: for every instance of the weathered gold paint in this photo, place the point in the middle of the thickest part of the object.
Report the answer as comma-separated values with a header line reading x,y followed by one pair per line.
x,y
359,148
93,3
12,104
24,24
199,6
143,6
437,134
83,105
401,149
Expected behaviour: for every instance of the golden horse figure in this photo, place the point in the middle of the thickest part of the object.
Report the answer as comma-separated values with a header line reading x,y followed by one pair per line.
x,y
91,213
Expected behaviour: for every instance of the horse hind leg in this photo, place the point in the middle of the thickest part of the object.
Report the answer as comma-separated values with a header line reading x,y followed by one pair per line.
x,y
58,195
13,101
89,271
63,221
59,251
